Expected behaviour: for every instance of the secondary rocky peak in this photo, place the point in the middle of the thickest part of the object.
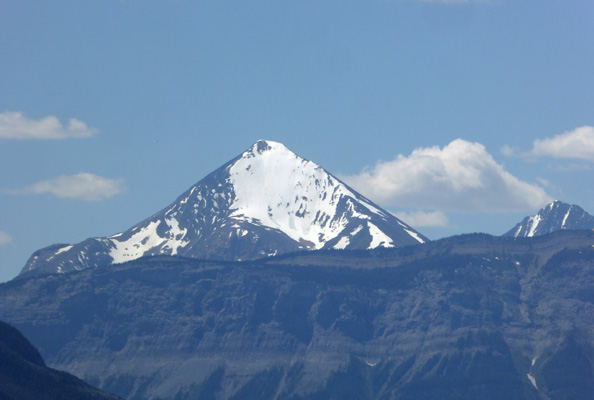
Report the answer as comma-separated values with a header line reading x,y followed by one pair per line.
x,y
553,217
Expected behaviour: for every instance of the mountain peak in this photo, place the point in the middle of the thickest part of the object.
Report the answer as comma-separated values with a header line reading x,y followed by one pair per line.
x,y
266,145
274,152
555,216
263,146
266,201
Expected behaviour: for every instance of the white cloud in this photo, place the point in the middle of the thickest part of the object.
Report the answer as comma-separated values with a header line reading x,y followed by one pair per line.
x,y
576,144
82,186
5,238
14,125
461,177
423,219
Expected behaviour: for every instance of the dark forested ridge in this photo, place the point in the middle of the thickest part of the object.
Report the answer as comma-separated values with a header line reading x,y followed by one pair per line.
x,y
468,317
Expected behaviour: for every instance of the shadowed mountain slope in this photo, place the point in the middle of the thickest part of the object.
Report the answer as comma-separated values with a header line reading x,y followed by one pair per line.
x,y
24,375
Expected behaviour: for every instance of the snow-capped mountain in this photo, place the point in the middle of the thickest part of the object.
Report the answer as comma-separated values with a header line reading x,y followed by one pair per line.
x,y
553,217
266,201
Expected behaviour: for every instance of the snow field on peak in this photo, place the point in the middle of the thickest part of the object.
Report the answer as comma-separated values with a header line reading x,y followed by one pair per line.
x,y
534,222
565,218
277,189
146,239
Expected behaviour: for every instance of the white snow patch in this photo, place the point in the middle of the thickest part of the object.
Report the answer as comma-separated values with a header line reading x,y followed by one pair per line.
x,y
176,235
185,200
146,239
518,231
565,218
342,243
379,238
532,380
372,364
356,230
414,235
63,249
533,224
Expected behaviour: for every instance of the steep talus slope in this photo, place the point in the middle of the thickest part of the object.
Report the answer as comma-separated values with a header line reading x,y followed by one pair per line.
x,y
464,318
266,201
24,375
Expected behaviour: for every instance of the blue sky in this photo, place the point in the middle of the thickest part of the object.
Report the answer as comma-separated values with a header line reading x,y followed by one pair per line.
x,y
462,116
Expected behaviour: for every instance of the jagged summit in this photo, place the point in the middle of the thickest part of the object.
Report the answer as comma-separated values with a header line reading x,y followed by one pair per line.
x,y
553,217
263,145
266,201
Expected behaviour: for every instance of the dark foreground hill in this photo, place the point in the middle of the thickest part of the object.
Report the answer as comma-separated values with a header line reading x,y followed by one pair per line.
x,y
469,317
24,375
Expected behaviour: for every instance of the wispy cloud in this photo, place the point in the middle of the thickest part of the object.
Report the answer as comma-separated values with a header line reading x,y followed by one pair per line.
x,y
577,144
572,167
5,238
545,183
424,219
15,125
461,177
82,186
508,150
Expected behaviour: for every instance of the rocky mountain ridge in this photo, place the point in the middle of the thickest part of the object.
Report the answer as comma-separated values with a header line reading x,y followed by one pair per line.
x,y
466,317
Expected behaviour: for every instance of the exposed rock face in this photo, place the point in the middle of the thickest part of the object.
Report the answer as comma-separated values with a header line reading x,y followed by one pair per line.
x,y
24,375
554,217
266,201
469,317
